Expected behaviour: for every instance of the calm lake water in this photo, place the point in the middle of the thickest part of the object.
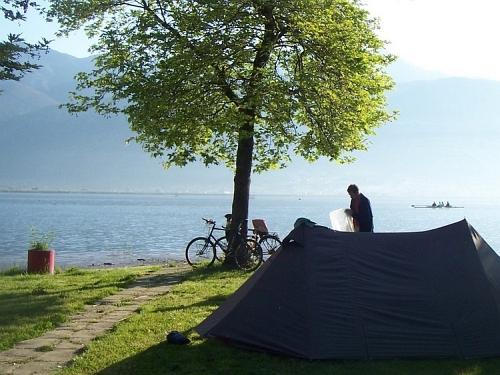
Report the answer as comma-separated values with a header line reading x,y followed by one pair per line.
x,y
93,229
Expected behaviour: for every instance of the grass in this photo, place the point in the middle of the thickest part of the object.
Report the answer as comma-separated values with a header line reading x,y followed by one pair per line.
x,y
138,346
32,304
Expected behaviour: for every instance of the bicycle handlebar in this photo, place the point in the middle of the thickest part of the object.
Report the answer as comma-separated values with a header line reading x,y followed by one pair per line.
x,y
211,221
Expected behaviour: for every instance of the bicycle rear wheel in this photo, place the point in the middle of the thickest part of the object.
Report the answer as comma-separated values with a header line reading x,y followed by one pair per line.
x,y
200,252
248,255
270,243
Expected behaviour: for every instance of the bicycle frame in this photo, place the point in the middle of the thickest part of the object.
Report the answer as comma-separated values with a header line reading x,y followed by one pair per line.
x,y
212,229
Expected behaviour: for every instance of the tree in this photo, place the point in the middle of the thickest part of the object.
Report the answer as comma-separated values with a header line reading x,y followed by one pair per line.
x,y
15,51
243,83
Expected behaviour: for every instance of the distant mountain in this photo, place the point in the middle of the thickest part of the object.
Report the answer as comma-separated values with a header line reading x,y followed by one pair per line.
x,y
445,144
56,78
18,99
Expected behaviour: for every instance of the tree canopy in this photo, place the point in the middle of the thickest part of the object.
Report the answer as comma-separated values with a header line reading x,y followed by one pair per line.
x,y
15,52
244,83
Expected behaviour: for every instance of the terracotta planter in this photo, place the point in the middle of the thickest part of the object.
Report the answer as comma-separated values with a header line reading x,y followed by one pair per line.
x,y
41,261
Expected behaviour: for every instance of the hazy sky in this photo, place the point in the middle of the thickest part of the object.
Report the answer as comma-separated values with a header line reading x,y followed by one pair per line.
x,y
453,36
459,38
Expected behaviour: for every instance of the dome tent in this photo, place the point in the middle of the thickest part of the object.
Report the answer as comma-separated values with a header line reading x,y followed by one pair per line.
x,y
340,295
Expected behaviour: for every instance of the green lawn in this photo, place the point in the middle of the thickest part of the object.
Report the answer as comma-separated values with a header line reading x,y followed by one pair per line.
x,y
137,345
33,304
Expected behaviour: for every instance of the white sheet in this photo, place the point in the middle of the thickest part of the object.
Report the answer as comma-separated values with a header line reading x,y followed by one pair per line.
x,y
341,221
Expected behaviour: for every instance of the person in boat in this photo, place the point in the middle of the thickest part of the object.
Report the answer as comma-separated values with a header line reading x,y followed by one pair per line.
x,y
433,204
360,210
448,205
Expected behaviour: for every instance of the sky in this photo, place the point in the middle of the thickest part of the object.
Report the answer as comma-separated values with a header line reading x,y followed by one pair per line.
x,y
459,38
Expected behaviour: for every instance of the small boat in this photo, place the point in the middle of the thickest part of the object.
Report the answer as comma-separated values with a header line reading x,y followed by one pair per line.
x,y
434,205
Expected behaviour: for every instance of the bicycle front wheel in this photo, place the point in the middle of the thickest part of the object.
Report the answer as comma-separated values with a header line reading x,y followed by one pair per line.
x,y
248,255
221,248
270,244
200,252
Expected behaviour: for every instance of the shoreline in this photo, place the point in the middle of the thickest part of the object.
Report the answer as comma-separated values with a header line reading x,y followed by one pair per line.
x,y
124,263
138,263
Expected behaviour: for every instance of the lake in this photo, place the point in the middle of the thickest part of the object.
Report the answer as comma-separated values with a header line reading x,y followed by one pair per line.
x,y
94,229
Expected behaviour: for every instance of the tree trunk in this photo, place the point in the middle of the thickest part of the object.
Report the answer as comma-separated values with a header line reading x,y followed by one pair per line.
x,y
242,179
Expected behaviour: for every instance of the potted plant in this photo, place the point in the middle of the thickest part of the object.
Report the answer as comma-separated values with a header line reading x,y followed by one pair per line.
x,y
41,258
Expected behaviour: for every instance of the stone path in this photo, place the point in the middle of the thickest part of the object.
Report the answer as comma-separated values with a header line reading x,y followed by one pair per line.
x,y
51,352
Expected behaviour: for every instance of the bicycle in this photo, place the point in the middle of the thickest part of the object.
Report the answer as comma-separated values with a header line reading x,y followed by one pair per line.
x,y
270,242
246,251
201,250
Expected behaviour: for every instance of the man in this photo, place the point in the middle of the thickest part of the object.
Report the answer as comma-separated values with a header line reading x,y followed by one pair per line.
x,y
361,210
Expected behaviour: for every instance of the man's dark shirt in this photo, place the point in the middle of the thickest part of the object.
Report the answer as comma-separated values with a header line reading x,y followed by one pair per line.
x,y
364,214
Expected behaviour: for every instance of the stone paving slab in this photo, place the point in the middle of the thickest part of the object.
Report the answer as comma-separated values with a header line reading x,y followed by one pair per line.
x,y
52,351
36,367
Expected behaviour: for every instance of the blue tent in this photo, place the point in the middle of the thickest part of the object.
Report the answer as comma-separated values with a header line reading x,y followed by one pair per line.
x,y
338,295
